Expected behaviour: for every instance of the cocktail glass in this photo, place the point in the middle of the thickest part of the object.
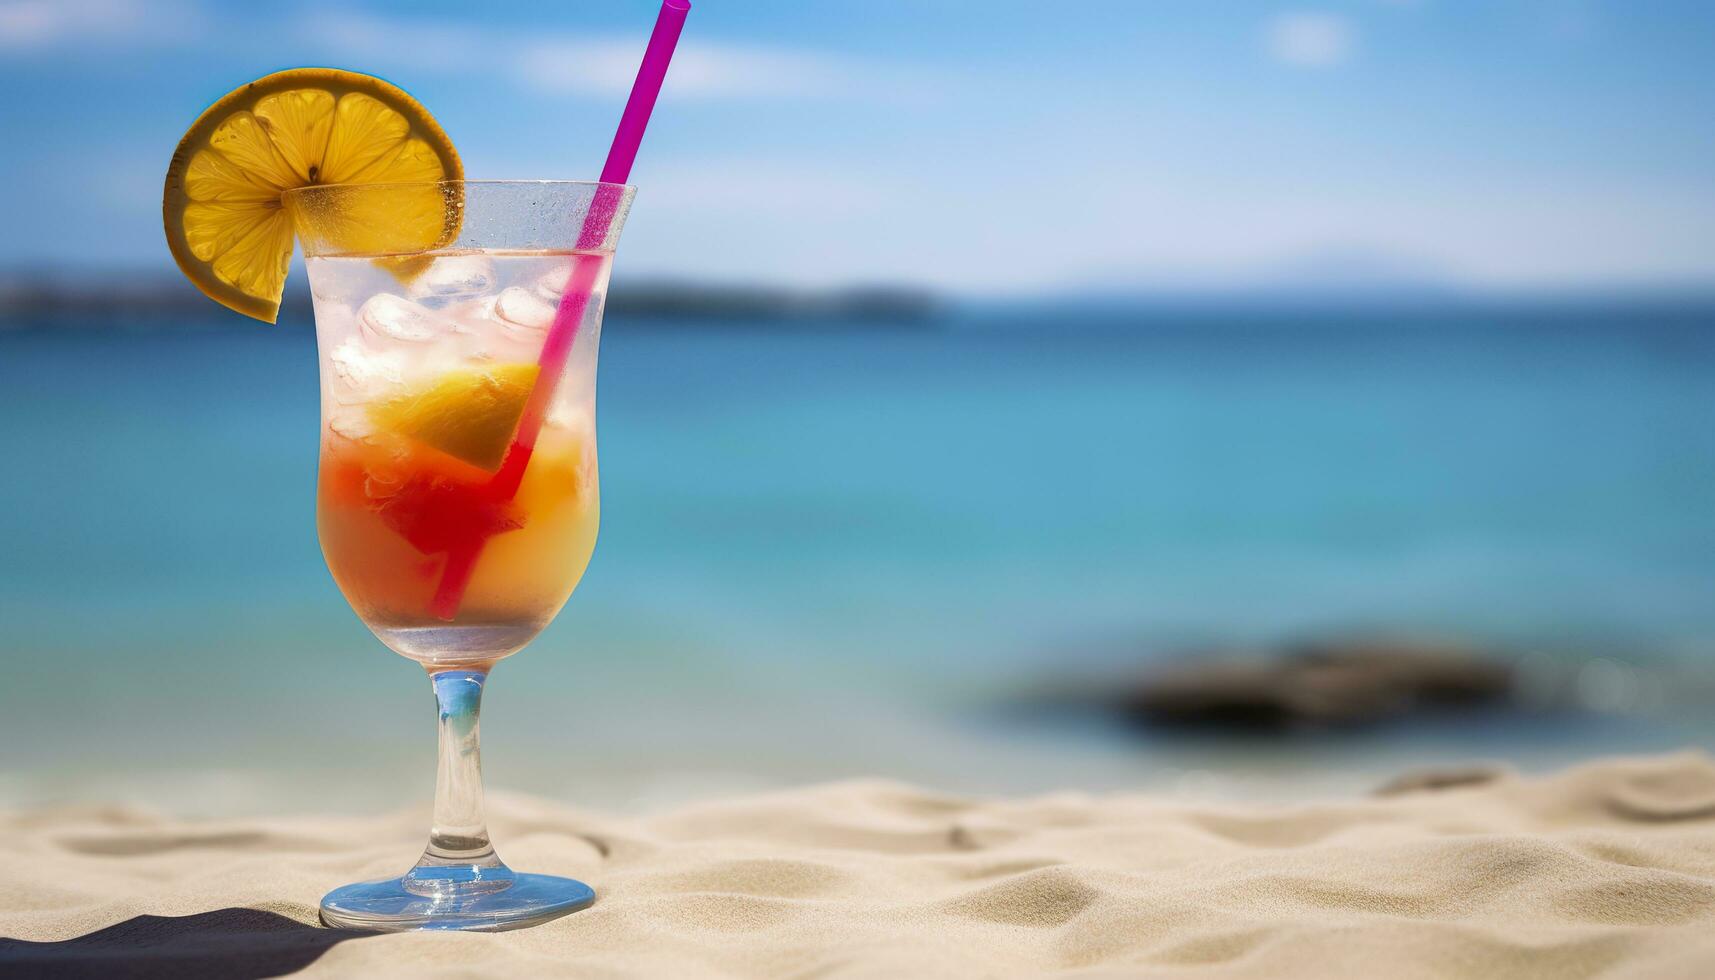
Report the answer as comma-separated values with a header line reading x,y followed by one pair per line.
x,y
457,495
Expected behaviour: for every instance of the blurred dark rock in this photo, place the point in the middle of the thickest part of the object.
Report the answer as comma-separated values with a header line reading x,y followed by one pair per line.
x,y
1325,685
1440,778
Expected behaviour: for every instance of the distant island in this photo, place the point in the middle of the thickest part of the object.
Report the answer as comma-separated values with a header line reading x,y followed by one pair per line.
x,y
692,301
27,299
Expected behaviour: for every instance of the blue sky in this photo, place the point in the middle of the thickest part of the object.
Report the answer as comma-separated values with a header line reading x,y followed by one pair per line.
x,y
1007,146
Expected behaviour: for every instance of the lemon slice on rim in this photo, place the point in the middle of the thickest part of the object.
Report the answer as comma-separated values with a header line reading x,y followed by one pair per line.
x,y
226,225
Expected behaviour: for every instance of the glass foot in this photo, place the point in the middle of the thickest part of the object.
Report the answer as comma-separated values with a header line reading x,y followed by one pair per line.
x,y
399,905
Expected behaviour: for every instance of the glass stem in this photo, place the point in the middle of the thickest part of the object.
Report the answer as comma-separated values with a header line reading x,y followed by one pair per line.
x,y
459,858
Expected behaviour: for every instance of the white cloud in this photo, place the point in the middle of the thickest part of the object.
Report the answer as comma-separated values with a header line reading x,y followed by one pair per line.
x,y
598,65
35,25
1311,40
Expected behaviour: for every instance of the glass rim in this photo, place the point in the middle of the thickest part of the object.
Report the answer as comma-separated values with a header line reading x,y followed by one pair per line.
x,y
463,182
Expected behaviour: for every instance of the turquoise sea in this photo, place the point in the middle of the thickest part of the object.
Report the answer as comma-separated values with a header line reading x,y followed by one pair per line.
x,y
841,550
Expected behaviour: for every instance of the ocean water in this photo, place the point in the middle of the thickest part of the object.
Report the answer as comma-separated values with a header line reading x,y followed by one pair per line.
x,y
833,551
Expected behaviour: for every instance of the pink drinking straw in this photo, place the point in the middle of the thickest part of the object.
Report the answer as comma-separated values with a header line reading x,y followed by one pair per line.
x,y
586,269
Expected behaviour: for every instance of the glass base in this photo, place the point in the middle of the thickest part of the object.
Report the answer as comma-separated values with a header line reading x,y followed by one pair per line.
x,y
398,905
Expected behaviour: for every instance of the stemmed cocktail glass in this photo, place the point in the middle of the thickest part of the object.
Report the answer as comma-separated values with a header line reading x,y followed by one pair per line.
x,y
458,497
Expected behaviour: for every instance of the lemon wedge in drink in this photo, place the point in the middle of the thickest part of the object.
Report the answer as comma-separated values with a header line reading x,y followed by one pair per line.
x,y
469,414
226,225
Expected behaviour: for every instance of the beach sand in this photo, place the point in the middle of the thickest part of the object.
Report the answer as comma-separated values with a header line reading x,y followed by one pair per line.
x,y
1606,870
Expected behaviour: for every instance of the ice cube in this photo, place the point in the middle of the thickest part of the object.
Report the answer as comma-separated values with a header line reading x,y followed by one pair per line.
x,y
334,322
387,318
572,415
552,285
350,421
474,329
360,374
382,480
472,316
451,278
523,311
326,287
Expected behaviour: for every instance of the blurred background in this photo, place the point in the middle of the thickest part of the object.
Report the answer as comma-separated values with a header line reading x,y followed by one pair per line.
x,y
1199,398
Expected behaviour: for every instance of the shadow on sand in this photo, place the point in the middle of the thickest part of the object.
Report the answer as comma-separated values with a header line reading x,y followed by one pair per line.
x,y
226,943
